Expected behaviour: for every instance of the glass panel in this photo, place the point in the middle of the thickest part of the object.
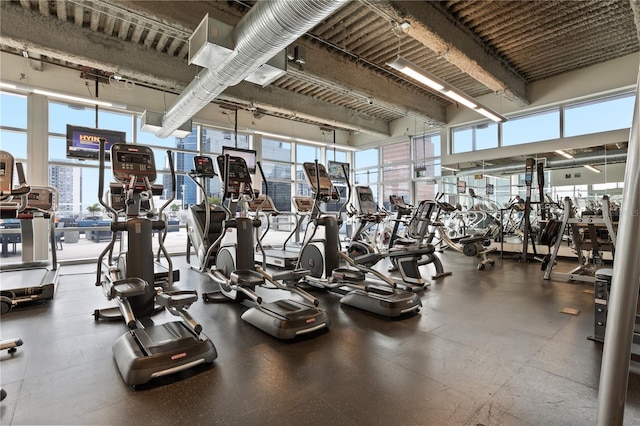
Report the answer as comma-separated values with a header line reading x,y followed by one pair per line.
x,y
397,188
366,177
531,128
427,168
183,161
277,171
599,116
13,110
486,136
336,155
280,193
78,189
214,139
426,146
303,189
306,153
425,190
481,136
14,142
400,172
366,158
276,150
462,140
61,114
394,154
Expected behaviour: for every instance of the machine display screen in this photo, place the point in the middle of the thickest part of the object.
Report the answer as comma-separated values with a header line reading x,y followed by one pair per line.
x,y
134,158
203,165
335,170
248,155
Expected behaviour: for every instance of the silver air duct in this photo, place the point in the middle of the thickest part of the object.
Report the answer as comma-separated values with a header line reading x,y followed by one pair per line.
x,y
268,28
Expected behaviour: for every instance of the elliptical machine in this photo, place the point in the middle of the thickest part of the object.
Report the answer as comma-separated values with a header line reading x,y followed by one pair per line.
x,y
147,350
237,274
204,221
405,258
321,255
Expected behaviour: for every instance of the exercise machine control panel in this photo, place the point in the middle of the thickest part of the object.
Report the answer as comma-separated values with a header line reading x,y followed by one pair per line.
x,y
40,199
327,190
366,203
239,177
303,205
203,166
129,160
267,204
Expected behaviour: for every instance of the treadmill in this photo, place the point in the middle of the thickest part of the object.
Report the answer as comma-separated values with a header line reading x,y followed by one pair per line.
x,y
33,279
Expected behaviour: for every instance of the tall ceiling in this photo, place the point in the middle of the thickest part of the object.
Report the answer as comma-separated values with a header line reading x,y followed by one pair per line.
x,y
477,46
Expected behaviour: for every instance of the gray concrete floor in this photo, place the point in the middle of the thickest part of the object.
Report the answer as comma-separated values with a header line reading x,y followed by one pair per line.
x,y
487,348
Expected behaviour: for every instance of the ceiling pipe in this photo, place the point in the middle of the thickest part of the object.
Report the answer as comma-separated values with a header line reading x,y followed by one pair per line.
x,y
267,29
600,158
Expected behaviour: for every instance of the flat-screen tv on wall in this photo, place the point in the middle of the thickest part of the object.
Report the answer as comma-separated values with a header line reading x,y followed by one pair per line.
x,y
83,143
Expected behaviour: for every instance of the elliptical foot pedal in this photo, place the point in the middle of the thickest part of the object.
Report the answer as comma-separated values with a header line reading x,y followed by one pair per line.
x,y
291,276
177,298
128,287
348,275
246,278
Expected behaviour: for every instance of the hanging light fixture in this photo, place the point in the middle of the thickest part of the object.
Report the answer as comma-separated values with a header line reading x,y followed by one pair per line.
x,y
412,70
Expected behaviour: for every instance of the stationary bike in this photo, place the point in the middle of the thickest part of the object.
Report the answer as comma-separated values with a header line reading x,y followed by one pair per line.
x,y
147,350
237,275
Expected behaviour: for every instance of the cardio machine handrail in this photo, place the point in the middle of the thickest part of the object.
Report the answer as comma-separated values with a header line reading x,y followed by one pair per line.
x,y
114,213
207,214
264,200
346,178
162,216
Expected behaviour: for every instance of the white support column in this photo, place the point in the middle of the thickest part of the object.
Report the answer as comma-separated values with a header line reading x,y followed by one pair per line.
x,y
623,300
38,168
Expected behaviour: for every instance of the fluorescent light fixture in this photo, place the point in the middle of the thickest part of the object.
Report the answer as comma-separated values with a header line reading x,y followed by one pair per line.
x,y
490,115
593,169
8,85
451,169
60,95
412,70
308,141
422,78
564,154
73,98
273,135
461,99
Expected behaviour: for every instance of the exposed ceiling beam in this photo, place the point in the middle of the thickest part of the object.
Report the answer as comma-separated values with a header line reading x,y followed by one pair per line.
x,y
432,28
635,6
362,81
23,29
321,63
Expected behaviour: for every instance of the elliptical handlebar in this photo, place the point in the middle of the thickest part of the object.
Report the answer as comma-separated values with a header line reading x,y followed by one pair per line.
x,y
348,182
101,169
172,170
225,186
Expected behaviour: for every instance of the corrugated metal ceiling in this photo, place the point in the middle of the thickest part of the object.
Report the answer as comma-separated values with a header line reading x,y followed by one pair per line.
x,y
532,39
